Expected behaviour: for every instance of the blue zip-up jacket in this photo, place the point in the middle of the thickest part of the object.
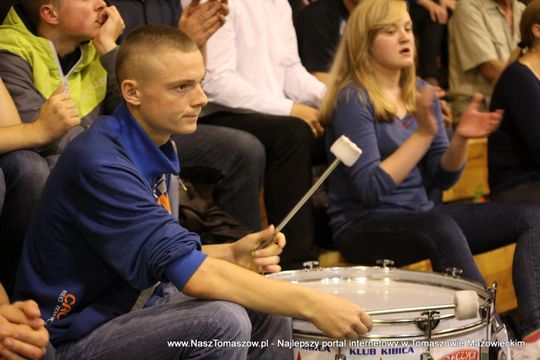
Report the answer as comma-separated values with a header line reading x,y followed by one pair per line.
x,y
98,237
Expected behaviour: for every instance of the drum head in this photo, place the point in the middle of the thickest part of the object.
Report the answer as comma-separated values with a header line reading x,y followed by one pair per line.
x,y
388,288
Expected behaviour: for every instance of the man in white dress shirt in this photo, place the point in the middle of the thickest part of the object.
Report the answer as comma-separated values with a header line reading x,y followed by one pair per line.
x,y
255,82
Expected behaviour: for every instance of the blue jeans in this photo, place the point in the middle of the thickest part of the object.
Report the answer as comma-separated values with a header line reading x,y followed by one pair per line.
x,y
25,173
233,160
144,334
492,225
449,235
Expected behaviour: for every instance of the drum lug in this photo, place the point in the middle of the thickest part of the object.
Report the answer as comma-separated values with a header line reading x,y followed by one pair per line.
x,y
429,322
496,327
385,263
493,292
454,272
485,311
311,265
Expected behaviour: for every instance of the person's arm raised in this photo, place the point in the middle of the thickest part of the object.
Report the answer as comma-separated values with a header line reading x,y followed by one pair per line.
x,y
473,124
111,28
200,21
408,155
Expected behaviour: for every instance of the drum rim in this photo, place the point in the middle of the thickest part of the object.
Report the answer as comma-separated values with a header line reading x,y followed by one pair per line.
x,y
432,279
394,273
440,334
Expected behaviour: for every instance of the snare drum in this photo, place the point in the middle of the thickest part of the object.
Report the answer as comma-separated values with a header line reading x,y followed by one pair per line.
x,y
420,329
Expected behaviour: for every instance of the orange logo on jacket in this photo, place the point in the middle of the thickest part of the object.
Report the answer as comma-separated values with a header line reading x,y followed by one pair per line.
x,y
67,303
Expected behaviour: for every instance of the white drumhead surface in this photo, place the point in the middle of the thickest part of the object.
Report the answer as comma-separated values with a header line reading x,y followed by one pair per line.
x,y
384,294
379,290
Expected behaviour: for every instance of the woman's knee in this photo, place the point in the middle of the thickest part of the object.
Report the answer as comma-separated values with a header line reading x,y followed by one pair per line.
x,y
442,227
528,224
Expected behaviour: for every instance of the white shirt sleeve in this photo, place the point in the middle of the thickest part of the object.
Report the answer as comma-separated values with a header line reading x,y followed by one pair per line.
x,y
225,86
300,85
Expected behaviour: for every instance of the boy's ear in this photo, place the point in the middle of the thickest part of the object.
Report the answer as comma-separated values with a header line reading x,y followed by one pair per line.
x,y
130,92
48,14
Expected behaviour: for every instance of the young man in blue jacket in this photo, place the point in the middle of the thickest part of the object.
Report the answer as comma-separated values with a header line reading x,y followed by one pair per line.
x,y
102,234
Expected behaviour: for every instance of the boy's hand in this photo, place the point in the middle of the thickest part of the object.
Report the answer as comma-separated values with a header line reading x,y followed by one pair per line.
x,y
245,251
57,116
112,26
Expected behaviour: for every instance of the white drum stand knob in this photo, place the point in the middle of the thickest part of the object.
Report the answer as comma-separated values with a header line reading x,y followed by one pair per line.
x,y
466,302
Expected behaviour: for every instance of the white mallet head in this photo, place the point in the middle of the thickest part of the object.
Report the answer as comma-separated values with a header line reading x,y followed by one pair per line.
x,y
466,302
345,150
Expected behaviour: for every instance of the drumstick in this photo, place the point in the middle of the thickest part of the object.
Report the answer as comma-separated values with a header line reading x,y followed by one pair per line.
x,y
346,152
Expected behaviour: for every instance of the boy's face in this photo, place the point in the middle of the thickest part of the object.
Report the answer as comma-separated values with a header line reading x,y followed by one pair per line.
x,y
81,19
171,96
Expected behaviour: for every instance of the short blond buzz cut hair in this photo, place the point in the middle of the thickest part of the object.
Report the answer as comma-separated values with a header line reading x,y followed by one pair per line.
x,y
143,44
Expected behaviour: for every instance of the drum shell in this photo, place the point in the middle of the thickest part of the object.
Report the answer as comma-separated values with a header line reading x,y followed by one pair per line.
x,y
389,288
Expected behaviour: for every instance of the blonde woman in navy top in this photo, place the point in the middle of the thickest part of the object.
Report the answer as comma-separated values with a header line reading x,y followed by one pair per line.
x,y
379,207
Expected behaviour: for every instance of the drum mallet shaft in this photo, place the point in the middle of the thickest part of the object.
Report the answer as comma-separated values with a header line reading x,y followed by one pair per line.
x,y
410,309
346,152
466,305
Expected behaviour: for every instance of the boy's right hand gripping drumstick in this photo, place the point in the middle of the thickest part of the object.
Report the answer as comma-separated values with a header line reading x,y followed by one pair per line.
x,y
346,152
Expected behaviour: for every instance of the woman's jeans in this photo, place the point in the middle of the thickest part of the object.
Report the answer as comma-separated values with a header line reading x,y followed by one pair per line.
x,y
449,235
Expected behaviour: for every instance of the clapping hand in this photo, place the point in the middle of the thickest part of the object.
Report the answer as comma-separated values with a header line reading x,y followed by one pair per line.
x,y
476,124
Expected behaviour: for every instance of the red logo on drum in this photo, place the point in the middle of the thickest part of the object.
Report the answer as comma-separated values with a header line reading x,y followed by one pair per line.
x,y
467,354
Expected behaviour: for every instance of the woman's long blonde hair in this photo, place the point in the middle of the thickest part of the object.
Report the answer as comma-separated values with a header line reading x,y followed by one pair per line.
x,y
530,16
353,63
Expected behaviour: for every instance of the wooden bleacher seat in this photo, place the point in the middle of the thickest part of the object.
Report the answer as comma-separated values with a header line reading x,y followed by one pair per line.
x,y
475,175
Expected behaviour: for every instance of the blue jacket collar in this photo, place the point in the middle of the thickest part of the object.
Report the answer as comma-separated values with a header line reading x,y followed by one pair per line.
x,y
149,159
